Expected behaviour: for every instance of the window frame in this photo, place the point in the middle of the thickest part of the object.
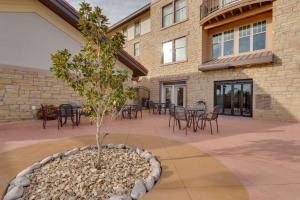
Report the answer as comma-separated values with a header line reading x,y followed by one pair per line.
x,y
174,11
174,50
135,32
136,53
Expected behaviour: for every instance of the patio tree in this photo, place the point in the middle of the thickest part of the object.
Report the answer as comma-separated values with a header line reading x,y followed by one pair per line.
x,y
91,72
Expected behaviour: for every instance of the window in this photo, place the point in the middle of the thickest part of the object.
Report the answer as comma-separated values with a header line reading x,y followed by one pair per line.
x,y
217,45
136,49
137,29
244,41
174,12
228,43
167,52
252,37
180,10
180,49
259,35
125,33
168,15
174,51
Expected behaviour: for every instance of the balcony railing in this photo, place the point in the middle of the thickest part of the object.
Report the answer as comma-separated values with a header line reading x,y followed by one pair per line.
x,y
210,6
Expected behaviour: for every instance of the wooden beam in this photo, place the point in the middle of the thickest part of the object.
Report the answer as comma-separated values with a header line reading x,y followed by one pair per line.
x,y
250,13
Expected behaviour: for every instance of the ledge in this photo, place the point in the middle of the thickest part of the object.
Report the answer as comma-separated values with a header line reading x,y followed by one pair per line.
x,y
237,61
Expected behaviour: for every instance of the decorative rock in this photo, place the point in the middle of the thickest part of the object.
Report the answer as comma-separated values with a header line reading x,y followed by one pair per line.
x,y
122,197
146,155
139,151
121,146
20,181
156,173
149,183
46,160
57,155
85,148
138,190
71,152
29,169
14,193
153,162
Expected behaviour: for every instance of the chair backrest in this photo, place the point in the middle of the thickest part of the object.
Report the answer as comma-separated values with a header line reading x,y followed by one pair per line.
x,y
201,105
172,109
43,109
215,113
180,113
66,109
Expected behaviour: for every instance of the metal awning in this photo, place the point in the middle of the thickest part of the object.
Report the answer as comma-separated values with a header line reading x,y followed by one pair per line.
x,y
238,61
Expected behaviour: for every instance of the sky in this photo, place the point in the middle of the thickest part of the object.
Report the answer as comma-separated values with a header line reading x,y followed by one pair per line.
x,y
115,10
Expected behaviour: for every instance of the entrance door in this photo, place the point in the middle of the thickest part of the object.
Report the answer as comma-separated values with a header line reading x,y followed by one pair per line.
x,y
234,97
174,93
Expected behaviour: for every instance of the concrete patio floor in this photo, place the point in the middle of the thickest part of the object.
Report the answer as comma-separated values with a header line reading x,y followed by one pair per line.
x,y
263,155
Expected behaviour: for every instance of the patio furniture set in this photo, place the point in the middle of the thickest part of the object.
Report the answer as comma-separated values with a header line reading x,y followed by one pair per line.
x,y
131,111
195,116
62,113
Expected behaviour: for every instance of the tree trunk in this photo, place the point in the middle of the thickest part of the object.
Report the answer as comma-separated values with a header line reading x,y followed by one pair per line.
x,y
98,139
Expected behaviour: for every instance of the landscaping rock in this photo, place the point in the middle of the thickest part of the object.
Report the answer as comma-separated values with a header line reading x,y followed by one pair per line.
x,y
71,152
46,160
149,183
146,155
57,155
29,169
85,148
138,190
139,151
20,181
156,173
122,197
15,193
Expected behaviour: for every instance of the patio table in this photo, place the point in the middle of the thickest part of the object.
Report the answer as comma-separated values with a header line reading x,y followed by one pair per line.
x,y
159,107
75,109
193,114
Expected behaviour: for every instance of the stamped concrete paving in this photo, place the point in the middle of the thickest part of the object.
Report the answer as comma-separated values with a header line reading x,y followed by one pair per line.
x,y
187,173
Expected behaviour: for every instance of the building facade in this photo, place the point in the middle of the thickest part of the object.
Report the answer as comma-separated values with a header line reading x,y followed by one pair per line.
x,y
30,32
242,55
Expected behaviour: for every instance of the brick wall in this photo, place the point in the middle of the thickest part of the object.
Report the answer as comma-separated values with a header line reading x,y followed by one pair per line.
x,y
22,88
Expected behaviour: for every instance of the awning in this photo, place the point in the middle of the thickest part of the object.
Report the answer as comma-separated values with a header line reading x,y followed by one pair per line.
x,y
238,61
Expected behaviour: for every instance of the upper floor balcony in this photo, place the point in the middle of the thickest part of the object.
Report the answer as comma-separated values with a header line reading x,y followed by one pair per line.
x,y
212,11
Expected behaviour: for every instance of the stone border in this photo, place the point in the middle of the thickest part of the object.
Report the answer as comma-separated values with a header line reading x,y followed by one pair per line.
x,y
15,188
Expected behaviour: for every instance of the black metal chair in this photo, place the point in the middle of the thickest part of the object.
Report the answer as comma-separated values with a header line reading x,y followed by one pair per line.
x,y
181,115
212,117
171,113
46,115
135,109
65,111
201,106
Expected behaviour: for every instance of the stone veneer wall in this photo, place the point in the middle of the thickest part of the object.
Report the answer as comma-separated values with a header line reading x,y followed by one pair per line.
x,y
22,88
280,80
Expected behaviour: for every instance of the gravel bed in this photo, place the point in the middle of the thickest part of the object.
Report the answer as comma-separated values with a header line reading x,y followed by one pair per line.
x,y
126,173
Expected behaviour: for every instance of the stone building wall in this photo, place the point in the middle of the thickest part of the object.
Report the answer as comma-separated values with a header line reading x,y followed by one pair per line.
x,y
22,89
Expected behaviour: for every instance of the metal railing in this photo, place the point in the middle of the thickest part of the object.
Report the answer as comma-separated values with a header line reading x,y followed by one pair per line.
x,y
210,6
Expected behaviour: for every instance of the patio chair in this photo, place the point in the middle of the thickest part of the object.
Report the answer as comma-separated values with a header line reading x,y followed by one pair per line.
x,y
201,105
181,115
151,106
212,117
65,111
171,113
135,109
46,115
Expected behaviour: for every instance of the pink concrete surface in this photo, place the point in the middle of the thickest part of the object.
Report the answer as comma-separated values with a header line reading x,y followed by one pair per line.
x,y
264,155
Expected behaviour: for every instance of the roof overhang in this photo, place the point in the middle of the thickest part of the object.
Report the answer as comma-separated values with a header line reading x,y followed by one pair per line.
x,y
69,14
238,61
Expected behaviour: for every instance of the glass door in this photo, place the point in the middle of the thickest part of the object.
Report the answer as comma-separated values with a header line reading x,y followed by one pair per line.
x,y
175,94
180,95
234,97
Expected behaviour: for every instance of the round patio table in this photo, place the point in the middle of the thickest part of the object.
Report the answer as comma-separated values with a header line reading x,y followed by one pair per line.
x,y
194,113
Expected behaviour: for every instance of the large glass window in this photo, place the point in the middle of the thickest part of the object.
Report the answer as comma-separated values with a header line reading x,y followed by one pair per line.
x,y
180,49
168,15
217,45
136,49
228,43
259,35
168,52
180,10
137,29
244,38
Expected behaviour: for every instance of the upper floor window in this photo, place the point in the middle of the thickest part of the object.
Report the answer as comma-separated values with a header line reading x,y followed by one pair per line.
x,y
217,45
125,32
136,49
174,12
174,51
137,29
228,43
180,10
252,37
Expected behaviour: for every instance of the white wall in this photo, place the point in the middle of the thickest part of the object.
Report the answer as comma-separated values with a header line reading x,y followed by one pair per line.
x,y
27,40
